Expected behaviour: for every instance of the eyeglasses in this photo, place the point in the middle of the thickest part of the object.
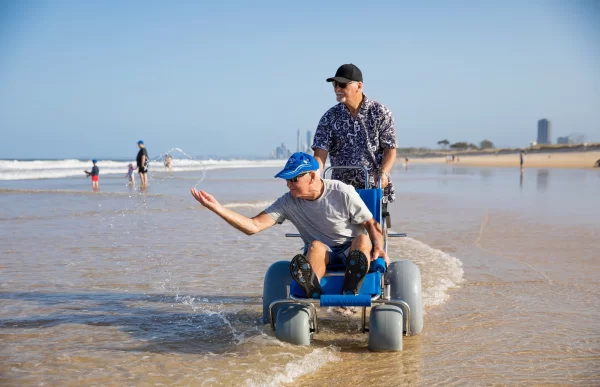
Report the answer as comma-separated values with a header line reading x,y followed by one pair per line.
x,y
295,178
341,85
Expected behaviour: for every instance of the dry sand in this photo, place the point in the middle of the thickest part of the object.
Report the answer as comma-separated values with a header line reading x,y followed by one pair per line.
x,y
533,160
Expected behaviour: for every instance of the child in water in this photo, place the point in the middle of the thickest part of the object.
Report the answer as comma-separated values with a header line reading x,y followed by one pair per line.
x,y
130,175
95,174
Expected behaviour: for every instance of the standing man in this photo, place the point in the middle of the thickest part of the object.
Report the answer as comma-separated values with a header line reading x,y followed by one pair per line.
x,y
357,131
142,163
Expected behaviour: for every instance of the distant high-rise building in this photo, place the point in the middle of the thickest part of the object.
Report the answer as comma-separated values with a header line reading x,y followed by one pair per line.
x,y
299,147
564,140
544,132
308,141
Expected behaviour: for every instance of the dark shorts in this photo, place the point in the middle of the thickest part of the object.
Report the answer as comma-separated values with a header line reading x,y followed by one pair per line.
x,y
337,254
143,170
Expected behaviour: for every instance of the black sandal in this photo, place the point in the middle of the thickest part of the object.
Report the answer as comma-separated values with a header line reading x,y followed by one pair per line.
x,y
302,273
357,267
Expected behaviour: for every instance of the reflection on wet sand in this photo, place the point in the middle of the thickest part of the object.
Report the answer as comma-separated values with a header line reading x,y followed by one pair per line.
x,y
543,176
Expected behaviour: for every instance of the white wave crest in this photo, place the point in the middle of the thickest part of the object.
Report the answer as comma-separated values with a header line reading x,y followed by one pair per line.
x,y
309,363
55,169
439,271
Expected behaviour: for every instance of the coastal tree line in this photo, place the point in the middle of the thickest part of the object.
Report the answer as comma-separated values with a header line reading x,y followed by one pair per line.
x,y
463,145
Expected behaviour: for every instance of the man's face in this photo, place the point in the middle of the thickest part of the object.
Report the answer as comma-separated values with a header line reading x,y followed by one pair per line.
x,y
299,186
346,91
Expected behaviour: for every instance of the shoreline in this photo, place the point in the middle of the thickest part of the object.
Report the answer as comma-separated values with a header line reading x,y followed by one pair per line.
x,y
531,160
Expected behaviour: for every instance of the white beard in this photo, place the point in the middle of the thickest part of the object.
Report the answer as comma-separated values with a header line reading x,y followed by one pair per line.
x,y
340,98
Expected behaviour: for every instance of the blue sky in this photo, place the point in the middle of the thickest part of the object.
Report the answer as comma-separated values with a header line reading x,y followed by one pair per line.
x,y
89,79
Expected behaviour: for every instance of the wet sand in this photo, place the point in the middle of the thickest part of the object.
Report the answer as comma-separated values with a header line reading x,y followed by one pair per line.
x,y
531,160
148,289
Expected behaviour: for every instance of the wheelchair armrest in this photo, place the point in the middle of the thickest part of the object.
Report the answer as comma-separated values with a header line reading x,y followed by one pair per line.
x,y
378,265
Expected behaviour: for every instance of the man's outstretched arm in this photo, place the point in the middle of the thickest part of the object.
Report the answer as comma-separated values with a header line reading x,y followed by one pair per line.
x,y
248,226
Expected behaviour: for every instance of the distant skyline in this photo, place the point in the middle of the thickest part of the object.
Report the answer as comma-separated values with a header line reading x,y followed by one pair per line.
x,y
239,78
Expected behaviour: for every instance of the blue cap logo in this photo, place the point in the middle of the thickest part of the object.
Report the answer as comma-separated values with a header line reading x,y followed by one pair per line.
x,y
298,163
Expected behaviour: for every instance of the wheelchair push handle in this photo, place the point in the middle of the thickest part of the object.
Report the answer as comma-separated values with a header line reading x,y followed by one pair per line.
x,y
361,167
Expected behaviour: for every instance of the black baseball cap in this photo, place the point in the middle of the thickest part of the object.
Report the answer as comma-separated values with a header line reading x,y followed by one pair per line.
x,y
347,73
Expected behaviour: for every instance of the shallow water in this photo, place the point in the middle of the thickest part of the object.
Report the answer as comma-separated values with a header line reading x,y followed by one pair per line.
x,y
122,287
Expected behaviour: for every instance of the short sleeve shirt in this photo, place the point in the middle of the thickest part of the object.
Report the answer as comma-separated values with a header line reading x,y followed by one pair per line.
x,y
334,219
142,152
357,142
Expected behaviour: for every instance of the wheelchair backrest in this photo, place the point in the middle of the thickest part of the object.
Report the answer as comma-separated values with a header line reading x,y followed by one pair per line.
x,y
372,198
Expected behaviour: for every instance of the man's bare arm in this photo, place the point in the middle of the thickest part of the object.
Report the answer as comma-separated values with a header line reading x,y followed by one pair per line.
x,y
389,158
321,156
248,226
376,236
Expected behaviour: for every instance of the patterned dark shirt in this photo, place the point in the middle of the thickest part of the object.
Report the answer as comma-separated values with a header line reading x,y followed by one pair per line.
x,y
359,141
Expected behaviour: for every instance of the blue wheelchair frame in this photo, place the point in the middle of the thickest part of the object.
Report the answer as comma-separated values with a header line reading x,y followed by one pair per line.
x,y
374,290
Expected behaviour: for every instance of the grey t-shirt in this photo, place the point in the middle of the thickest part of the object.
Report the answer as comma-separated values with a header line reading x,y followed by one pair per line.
x,y
334,218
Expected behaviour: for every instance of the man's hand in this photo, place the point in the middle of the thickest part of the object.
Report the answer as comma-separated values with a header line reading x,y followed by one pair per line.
x,y
378,251
206,199
384,180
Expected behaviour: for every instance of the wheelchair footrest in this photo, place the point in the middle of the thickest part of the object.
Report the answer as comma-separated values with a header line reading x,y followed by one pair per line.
x,y
343,300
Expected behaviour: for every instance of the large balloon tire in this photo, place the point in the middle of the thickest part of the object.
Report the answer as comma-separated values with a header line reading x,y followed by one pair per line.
x,y
293,324
277,278
404,278
385,328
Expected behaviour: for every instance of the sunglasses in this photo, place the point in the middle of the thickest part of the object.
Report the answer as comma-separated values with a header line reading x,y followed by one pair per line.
x,y
341,85
295,178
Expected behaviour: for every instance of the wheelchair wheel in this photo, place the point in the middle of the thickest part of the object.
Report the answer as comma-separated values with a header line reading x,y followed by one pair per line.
x,y
404,278
293,324
275,287
385,328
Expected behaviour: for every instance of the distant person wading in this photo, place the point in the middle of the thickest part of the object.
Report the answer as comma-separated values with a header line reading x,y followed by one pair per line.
x,y
142,163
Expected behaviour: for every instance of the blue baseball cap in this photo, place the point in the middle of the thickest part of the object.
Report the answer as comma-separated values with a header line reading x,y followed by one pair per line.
x,y
94,161
298,163
140,142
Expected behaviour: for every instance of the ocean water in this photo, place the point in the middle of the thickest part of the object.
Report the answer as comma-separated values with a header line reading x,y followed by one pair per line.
x,y
123,287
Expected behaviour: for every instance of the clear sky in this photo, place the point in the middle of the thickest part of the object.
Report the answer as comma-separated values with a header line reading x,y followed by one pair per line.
x,y
91,78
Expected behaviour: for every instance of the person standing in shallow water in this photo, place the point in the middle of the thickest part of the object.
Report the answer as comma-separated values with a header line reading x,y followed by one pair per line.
x,y
129,175
142,163
359,132
95,174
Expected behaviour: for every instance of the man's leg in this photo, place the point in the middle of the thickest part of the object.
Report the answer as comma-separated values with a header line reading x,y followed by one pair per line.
x,y
362,243
308,270
318,257
357,264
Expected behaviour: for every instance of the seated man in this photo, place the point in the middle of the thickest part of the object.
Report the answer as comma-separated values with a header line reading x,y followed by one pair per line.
x,y
333,221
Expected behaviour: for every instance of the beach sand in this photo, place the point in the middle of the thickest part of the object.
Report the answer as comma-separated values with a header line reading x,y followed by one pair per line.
x,y
533,160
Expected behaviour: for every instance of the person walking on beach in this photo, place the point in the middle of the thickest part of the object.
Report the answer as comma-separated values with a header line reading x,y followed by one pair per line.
x,y
335,224
142,164
95,174
521,159
357,131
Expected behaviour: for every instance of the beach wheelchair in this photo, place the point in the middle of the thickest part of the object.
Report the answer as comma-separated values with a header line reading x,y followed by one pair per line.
x,y
393,294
